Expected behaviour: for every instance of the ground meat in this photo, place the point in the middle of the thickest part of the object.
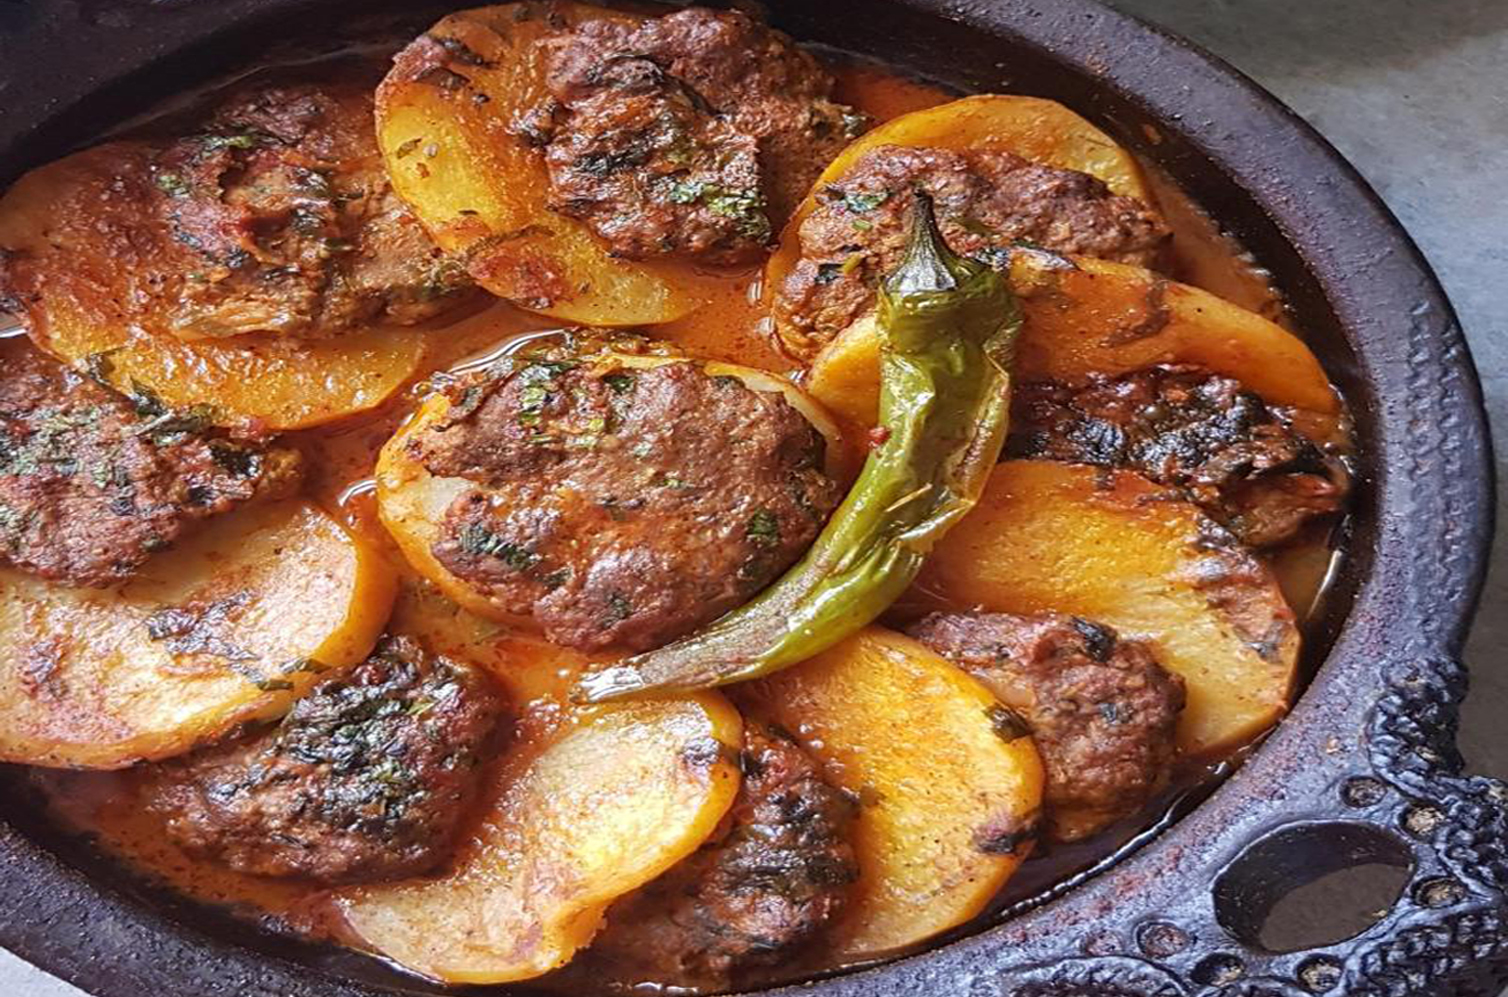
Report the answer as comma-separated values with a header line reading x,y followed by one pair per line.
x,y
92,484
1102,710
692,135
288,221
625,506
986,201
1184,426
775,875
368,778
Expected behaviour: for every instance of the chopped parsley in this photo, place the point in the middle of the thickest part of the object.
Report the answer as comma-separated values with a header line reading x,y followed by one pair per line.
x,y
763,529
828,273
621,384
538,381
240,461
14,522
746,207
478,541
204,629
860,201
245,140
618,608
445,277
172,185
531,403
165,425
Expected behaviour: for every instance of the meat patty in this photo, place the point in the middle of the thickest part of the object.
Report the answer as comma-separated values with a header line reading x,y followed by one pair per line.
x,y
691,135
1240,460
986,202
368,778
1101,710
777,872
288,224
92,483
624,506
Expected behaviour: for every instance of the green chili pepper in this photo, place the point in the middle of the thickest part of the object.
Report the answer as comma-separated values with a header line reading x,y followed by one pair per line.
x,y
948,329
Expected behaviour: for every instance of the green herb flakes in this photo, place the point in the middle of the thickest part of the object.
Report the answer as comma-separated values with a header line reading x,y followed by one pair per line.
x,y
172,185
860,201
621,384
478,541
763,529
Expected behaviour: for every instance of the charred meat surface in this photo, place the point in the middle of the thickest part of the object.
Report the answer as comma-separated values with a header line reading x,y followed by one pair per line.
x,y
368,778
286,222
986,202
1101,709
624,506
777,872
93,483
691,135
1184,426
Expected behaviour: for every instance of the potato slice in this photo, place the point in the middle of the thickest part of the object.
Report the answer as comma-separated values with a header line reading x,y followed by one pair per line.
x,y
231,625
1085,316
1115,548
447,122
614,798
78,248
412,502
950,789
1042,131
1033,128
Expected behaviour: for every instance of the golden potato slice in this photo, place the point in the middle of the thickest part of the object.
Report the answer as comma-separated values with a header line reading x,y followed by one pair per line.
x,y
1085,316
1115,548
231,625
950,787
447,122
1033,128
614,798
1042,131
412,502
79,251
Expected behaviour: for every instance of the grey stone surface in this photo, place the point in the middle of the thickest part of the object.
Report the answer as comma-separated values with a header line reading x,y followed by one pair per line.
x,y
1415,93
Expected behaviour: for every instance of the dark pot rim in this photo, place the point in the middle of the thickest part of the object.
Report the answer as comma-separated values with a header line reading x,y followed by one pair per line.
x,y
1365,768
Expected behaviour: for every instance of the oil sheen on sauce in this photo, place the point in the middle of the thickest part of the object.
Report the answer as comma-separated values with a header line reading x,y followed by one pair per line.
x,y
730,327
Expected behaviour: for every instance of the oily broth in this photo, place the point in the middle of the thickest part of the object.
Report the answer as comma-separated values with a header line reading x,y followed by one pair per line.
x,y
731,327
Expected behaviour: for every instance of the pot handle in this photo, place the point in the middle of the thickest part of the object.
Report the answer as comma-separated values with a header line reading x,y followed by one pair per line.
x,y
1406,804
1447,933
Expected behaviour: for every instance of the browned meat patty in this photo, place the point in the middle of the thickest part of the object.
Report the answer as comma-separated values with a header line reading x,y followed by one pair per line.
x,y
776,873
623,506
368,778
92,484
691,135
1243,462
1101,709
287,222
987,202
